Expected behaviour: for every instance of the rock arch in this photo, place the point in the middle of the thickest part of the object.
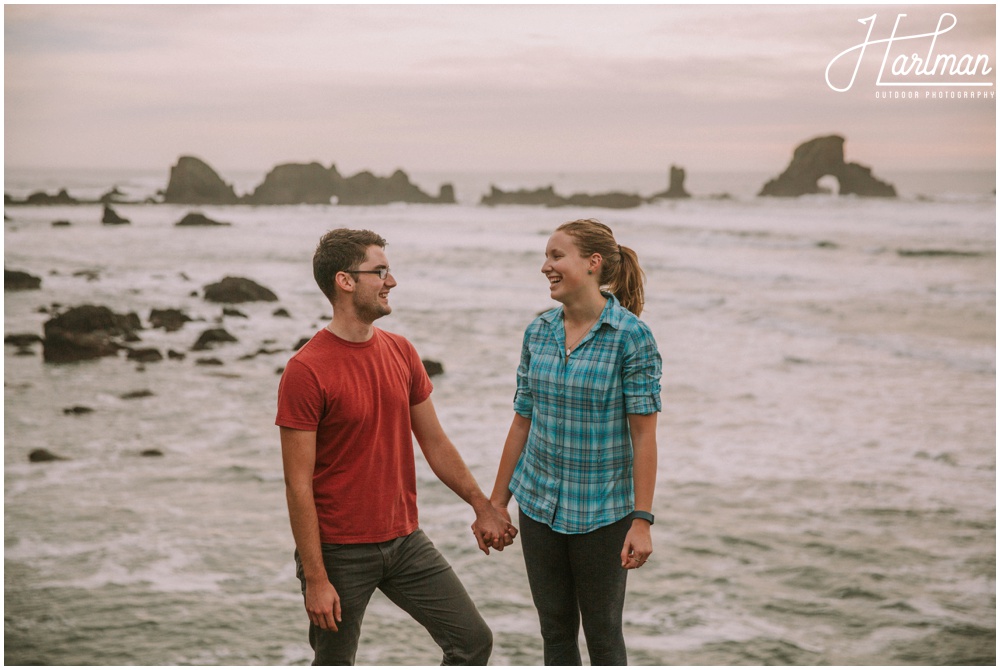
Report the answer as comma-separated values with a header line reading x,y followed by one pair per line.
x,y
818,158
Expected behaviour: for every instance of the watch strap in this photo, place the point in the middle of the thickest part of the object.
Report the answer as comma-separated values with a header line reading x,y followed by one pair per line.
x,y
645,516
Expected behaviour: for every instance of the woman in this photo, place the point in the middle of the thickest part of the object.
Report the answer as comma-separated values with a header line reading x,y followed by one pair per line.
x,y
580,456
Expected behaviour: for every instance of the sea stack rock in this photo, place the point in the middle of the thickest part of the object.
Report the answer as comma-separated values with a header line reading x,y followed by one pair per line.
x,y
112,218
365,188
612,200
818,158
42,198
675,190
313,184
446,194
193,182
295,184
542,196
112,196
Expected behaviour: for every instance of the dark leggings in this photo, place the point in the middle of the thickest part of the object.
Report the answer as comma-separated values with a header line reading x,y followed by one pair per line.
x,y
574,576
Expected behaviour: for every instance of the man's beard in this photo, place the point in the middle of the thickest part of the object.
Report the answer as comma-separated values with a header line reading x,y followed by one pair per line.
x,y
370,310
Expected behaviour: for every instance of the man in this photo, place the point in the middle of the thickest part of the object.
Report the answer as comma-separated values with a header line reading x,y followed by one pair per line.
x,y
347,403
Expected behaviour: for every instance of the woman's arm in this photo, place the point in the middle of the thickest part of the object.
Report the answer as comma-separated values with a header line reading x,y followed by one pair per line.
x,y
517,437
639,543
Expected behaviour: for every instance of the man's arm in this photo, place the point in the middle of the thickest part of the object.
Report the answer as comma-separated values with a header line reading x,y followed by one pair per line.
x,y
489,528
298,456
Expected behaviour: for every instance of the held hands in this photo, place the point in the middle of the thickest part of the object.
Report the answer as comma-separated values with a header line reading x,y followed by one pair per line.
x,y
638,545
492,528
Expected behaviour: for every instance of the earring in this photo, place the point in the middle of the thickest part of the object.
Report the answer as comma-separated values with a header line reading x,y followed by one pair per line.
x,y
590,272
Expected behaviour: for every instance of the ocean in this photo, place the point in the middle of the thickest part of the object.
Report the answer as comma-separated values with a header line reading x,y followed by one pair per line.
x,y
826,491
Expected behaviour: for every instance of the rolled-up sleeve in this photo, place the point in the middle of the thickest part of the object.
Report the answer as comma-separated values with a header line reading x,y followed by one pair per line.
x,y
524,401
641,373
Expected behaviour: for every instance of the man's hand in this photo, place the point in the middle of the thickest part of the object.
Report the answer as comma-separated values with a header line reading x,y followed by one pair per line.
x,y
493,528
638,545
323,604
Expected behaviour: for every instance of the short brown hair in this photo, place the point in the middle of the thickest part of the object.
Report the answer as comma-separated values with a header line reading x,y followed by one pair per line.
x,y
341,250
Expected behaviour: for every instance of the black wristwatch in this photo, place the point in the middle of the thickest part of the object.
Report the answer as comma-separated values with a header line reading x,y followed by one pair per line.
x,y
645,516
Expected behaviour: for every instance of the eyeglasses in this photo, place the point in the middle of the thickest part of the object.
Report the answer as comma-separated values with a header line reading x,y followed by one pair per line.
x,y
381,272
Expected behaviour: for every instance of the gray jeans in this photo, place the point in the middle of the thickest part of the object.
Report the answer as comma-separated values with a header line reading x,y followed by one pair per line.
x,y
412,573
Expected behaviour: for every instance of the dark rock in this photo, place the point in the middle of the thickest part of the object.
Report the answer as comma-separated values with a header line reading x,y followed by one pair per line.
x,y
43,198
611,200
547,197
313,184
211,337
446,194
44,456
17,280
24,351
135,395
675,190
856,179
301,343
111,217
61,223
22,339
145,355
209,362
295,183
542,196
87,332
151,453
199,219
89,275
263,351
232,311
168,319
818,158
176,355
236,290
114,195
193,182
281,312
938,253
77,410
365,188
433,368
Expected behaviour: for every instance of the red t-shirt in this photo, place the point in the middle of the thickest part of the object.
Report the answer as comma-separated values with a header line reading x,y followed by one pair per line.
x,y
357,397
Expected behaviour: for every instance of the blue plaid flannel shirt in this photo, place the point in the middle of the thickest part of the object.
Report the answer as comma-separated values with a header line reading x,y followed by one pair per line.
x,y
575,472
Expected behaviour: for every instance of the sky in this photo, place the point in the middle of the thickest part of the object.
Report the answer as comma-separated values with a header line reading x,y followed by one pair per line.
x,y
488,87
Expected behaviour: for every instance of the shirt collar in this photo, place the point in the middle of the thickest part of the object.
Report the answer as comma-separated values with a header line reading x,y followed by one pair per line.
x,y
612,314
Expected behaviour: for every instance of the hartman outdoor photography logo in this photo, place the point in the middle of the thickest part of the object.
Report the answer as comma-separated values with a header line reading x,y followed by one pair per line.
x,y
913,61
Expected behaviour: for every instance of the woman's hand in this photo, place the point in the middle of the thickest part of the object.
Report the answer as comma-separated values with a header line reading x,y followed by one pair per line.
x,y
638,545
